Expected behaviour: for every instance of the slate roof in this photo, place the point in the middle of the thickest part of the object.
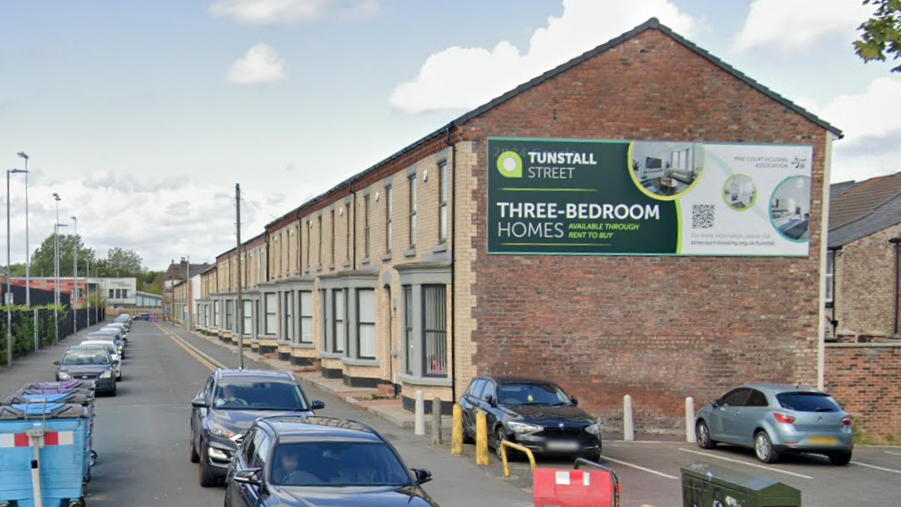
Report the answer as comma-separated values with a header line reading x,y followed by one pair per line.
x,y
859,209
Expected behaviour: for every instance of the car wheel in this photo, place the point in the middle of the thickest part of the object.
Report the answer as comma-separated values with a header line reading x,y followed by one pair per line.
x,y
840,459
702,433
192,450
763,448
207,479
501,436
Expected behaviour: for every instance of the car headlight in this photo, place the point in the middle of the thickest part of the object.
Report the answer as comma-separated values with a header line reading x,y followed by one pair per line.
x,y
63,375
522,428
220,431
594,429
106,374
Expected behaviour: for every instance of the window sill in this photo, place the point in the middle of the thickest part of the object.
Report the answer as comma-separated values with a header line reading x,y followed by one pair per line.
x,y
331,266
331,355
319,268
345,264
410,252
426,381
386,257
364,260
359,362
440,248
302,345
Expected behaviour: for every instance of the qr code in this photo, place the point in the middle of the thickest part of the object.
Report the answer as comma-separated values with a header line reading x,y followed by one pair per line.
x,y
702,216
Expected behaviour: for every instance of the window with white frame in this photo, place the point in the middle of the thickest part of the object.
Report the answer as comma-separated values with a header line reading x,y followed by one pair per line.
x,y
442,202
830,276
229,315
217,308
339,330
289,316
366,323
309,240
434,332
323,294
412,206
270,313
389,226
247,317
306,316
408,329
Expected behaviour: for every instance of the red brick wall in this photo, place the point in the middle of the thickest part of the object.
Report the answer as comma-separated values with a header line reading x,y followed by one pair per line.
x,y
864,379
658,328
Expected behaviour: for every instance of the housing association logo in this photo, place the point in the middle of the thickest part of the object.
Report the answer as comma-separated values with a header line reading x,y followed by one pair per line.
x,y
509,164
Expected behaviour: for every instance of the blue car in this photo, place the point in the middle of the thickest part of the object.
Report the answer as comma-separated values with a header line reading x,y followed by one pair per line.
x,y
773,419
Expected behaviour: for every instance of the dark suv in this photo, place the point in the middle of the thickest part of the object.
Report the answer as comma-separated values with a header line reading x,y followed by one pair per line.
x,y
292,461
228,404
534,413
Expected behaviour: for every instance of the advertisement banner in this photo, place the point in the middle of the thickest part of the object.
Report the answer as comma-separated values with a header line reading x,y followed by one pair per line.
x,y
577,197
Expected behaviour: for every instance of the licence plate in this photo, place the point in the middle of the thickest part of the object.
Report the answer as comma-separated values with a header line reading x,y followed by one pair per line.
x,y
562,445
822,440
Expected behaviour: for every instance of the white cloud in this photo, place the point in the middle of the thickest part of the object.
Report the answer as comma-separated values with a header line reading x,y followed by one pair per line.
x,y
799,23
286,11
464,78
871,122
261,64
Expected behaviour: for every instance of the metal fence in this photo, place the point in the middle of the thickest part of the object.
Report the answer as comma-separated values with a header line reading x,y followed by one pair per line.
x,y
32,329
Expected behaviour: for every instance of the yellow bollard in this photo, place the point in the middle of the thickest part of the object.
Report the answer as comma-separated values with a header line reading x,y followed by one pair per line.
x,y
481,438
457,438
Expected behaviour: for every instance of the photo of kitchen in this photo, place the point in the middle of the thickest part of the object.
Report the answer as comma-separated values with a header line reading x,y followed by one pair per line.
x,y
790,208
739,192
666,169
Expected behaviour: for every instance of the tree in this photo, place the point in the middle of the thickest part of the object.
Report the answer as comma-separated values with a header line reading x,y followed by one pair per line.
x,y
121,263
43,258
150,282
881,33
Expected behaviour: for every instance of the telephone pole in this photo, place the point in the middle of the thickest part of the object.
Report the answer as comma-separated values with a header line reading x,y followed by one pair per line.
x,y
240,303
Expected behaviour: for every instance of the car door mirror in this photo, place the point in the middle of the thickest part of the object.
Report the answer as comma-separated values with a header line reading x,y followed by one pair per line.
x,y
317,405
716,403
491,400
248,476
199,403
574,400
56,363
422,475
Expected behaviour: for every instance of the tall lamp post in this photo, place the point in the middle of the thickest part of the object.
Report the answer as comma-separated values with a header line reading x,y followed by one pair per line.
x,y
27,243
75,284
9,295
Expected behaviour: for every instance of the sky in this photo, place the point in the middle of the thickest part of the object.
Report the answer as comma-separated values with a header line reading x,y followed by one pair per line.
x,y
143,116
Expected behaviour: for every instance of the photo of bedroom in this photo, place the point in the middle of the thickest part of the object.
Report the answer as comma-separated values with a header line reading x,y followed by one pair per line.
x,y
790,208
739,192
666,169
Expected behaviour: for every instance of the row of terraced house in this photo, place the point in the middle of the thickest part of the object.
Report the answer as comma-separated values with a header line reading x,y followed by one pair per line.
x,y
643,219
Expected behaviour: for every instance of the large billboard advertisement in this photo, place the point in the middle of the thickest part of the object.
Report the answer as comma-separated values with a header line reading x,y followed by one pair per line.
x,y
578,197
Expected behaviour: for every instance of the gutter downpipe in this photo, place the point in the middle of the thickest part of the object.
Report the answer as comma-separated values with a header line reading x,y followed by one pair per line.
x,y
897,242
453,249
824,241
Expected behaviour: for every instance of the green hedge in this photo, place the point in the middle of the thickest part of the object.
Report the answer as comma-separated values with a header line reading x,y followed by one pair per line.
x,y
23,329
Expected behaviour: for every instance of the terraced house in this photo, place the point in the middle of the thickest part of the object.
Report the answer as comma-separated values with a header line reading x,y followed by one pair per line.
x,y
643,219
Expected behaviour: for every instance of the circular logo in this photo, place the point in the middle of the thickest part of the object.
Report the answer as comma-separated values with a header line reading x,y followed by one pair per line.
x,y
509,164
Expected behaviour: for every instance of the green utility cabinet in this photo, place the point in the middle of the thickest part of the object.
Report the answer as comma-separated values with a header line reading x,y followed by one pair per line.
x,y
706,485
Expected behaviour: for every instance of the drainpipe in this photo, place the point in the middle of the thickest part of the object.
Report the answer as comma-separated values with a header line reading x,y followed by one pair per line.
x,y
453,240
895,241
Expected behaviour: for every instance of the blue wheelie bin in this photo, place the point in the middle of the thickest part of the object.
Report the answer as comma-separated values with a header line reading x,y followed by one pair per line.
x,y
42,452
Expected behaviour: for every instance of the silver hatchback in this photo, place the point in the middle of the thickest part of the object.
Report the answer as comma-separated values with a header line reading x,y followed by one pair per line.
x,y
776,418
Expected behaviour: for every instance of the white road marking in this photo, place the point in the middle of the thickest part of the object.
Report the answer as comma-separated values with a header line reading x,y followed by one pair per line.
x,y
771,469
877,468
893,453
643,469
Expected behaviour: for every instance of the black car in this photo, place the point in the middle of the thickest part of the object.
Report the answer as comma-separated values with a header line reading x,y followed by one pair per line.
x,y
534,413
228,404
88,363
292,461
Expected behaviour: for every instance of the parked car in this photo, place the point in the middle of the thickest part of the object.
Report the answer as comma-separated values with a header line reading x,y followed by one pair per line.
x,y
776,418
88,363
109,334
227,405
110,347
118,325
534,413
291,461
124,319
141,316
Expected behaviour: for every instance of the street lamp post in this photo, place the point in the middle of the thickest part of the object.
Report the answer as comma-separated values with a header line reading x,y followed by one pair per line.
x,y
75,284
87,290
27,243
9,296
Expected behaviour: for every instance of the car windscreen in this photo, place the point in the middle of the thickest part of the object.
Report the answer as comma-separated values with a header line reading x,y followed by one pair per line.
x,y
85,357
102,336
532,394
108,345
808,402
259,395
337,464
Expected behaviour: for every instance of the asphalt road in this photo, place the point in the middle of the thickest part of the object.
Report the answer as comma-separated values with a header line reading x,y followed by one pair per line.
x,y
141,434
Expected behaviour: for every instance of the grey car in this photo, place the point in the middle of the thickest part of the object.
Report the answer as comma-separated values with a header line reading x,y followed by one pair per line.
x,y
773,419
